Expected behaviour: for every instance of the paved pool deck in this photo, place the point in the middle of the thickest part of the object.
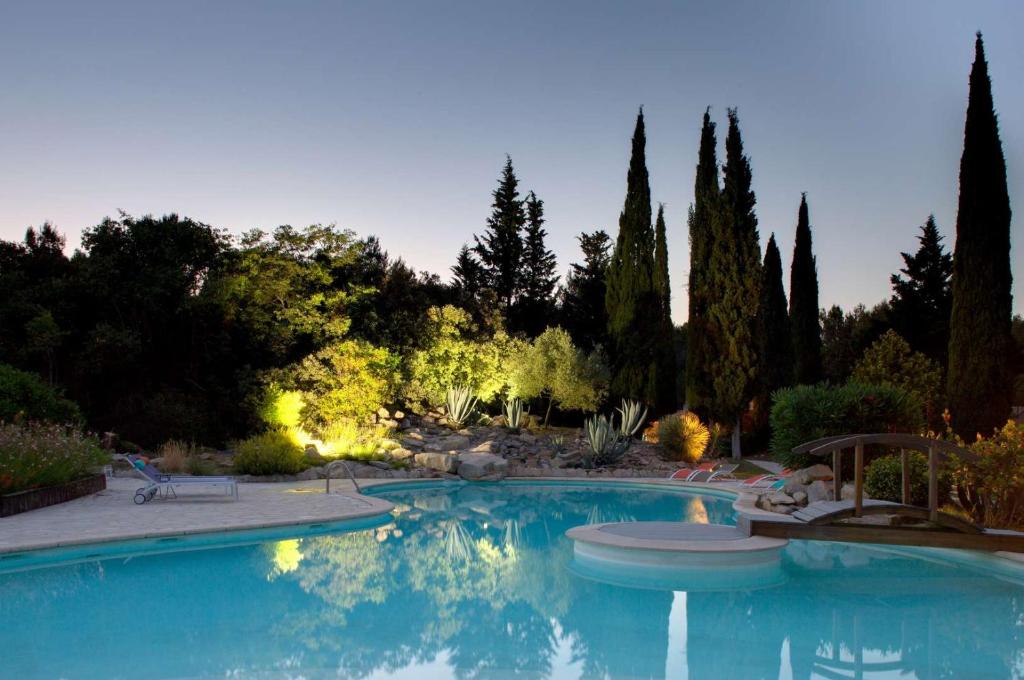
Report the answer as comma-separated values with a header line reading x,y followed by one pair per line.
x,y
111,515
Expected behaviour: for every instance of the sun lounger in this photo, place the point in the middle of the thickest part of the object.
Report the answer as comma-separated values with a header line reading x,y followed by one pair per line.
x,y
765,481
720,473
165,485
686,474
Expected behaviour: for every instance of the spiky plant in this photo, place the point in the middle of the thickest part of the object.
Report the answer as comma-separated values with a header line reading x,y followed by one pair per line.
x,y
461,404
607,444
632,417
515,416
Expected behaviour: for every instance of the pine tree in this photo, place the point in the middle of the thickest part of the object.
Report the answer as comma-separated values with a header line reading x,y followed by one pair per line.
x,y
735,279
665,344
467,276
803,303
776,352
701,219
583,310
631,300
500,249
979,379
922,302
535,305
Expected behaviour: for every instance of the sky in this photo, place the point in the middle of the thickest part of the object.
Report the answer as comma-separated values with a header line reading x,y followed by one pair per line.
x,y
394,118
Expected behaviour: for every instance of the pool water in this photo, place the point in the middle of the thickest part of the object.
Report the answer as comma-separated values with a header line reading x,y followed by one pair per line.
x,y
477,582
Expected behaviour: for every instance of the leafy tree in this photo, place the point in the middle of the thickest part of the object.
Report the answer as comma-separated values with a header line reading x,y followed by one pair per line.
x,y
552,367
665,346
500,249
583,298
536,299
803,303
468,277
922,302
24,396
701,223
845,337
735,276
776,347
979,381
891,361
631,300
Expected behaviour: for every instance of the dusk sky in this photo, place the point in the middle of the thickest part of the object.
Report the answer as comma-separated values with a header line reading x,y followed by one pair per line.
x,y
394,118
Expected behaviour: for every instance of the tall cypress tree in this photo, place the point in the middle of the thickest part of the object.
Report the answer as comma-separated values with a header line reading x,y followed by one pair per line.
x,y
701,219
979,379
535,306
666,402
922,302
803,303
583,304
500,249
630,299
776,335
735,280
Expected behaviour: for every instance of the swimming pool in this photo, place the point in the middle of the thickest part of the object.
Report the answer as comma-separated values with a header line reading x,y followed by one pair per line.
x,y
476,582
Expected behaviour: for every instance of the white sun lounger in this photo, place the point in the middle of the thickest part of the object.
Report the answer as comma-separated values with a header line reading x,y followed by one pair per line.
x,y
165,485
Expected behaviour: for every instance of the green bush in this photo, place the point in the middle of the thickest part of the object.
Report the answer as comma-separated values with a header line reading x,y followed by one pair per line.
x,y
270,453
883,480
24,396
37,455
683,436
991,488
807,412
890,361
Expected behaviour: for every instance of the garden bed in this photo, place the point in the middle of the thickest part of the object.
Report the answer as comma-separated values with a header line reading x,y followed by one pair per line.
x,y
33,499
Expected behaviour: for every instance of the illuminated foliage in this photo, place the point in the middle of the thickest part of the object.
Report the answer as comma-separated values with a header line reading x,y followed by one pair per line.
x,y
553,368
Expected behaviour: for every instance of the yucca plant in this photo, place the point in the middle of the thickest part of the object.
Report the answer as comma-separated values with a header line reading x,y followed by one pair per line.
x,y
515,416
632,417
461,404
607,444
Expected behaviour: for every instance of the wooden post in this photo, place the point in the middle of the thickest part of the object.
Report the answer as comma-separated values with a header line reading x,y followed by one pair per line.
x,y
858,480
933,484
905,475
837,475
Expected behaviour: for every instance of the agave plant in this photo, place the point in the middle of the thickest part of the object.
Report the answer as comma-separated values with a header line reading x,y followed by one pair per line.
x,y
461,405
515,416
632,417
607,444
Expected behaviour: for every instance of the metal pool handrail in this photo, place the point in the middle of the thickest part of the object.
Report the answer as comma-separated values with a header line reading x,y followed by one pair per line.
x,y
348,470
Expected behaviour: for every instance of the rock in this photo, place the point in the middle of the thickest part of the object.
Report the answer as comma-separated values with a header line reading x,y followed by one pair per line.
x,y
487,446
800,497
442,462
818,491
383,413
792,486
398,415
527,438
819,472
848,492
380,464
784,509
481,465
801,477
313,455
779,498
389,423
400,454
455,442
388,444
308,474
414,434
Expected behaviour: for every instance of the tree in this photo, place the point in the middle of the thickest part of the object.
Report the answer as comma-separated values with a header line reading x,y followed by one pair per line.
x,y
666,402
500,249
845,336
803,303
701,225
735,279
552,367
535,304
891,361
922,302
776,349
631,300
583,305
979,379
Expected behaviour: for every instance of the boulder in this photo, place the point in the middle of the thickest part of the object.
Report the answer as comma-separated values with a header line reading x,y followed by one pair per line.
x,y
442,462
819,472
486,446
455,442
313,455
848,492
791,486
400,454
800,497
481,465
383,413
818,491
779,498
398,415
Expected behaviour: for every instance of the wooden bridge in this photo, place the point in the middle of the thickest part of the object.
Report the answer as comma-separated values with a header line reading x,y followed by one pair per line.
x,y
841,520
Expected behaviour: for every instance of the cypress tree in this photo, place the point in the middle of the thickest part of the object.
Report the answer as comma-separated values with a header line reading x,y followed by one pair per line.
x,y
630,299
500,249
583,310
467,277
666,402
979,378
735,279
701,219
922,302
803,303
535,305
776,334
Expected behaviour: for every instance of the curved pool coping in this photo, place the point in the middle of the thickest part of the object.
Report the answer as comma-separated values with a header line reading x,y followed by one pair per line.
x,y
1007,566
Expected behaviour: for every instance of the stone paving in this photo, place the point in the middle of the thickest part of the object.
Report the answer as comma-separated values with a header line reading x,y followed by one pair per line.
x,y
111,515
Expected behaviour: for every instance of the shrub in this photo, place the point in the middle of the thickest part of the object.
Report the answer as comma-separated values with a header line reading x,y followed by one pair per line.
x,y
174,454
992,487
352,440
552,367
890,361
883,480
807,412
24,396
683,436
272,453
37,455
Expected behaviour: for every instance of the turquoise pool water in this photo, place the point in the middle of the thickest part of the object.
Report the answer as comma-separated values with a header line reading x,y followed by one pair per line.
x,y
477,582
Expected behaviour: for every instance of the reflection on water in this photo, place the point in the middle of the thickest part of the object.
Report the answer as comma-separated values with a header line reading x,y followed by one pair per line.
x,y
475,584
